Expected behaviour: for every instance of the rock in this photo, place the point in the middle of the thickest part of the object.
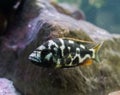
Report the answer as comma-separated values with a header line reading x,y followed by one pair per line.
x,y
7,88
40,21
66,9
115,93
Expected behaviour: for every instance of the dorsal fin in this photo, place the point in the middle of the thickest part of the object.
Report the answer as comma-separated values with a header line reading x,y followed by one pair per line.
x,y
88,44
78,40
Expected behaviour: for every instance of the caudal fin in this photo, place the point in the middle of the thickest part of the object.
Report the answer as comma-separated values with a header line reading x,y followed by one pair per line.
x,y
96,49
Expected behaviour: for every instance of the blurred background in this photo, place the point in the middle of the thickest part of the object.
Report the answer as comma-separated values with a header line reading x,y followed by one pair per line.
x,y
103,13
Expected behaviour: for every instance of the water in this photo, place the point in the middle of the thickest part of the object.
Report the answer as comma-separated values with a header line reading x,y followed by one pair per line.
x,y
103,13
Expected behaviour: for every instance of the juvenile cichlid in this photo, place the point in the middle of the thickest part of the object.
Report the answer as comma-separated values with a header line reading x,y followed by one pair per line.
x,y
64,53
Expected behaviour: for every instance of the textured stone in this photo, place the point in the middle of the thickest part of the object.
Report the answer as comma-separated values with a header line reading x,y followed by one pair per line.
x,y
40,21
7,88
115,93
66,9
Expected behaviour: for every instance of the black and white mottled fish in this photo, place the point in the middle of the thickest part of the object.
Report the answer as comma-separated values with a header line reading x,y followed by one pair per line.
x,y
64,53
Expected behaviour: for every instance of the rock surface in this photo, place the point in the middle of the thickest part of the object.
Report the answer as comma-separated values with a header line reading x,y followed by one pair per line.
x,y
115,93
40,21
7,88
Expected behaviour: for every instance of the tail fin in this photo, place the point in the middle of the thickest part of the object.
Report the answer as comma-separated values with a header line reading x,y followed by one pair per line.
x,y
96,49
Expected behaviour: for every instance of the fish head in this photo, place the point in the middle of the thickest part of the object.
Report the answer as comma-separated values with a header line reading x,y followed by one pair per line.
x,y
41,58
35,57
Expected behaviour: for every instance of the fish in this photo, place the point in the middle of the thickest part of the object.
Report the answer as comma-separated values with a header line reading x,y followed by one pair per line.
x,y
64,53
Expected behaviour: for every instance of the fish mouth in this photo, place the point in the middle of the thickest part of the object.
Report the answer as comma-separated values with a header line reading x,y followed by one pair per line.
x,y
34,58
